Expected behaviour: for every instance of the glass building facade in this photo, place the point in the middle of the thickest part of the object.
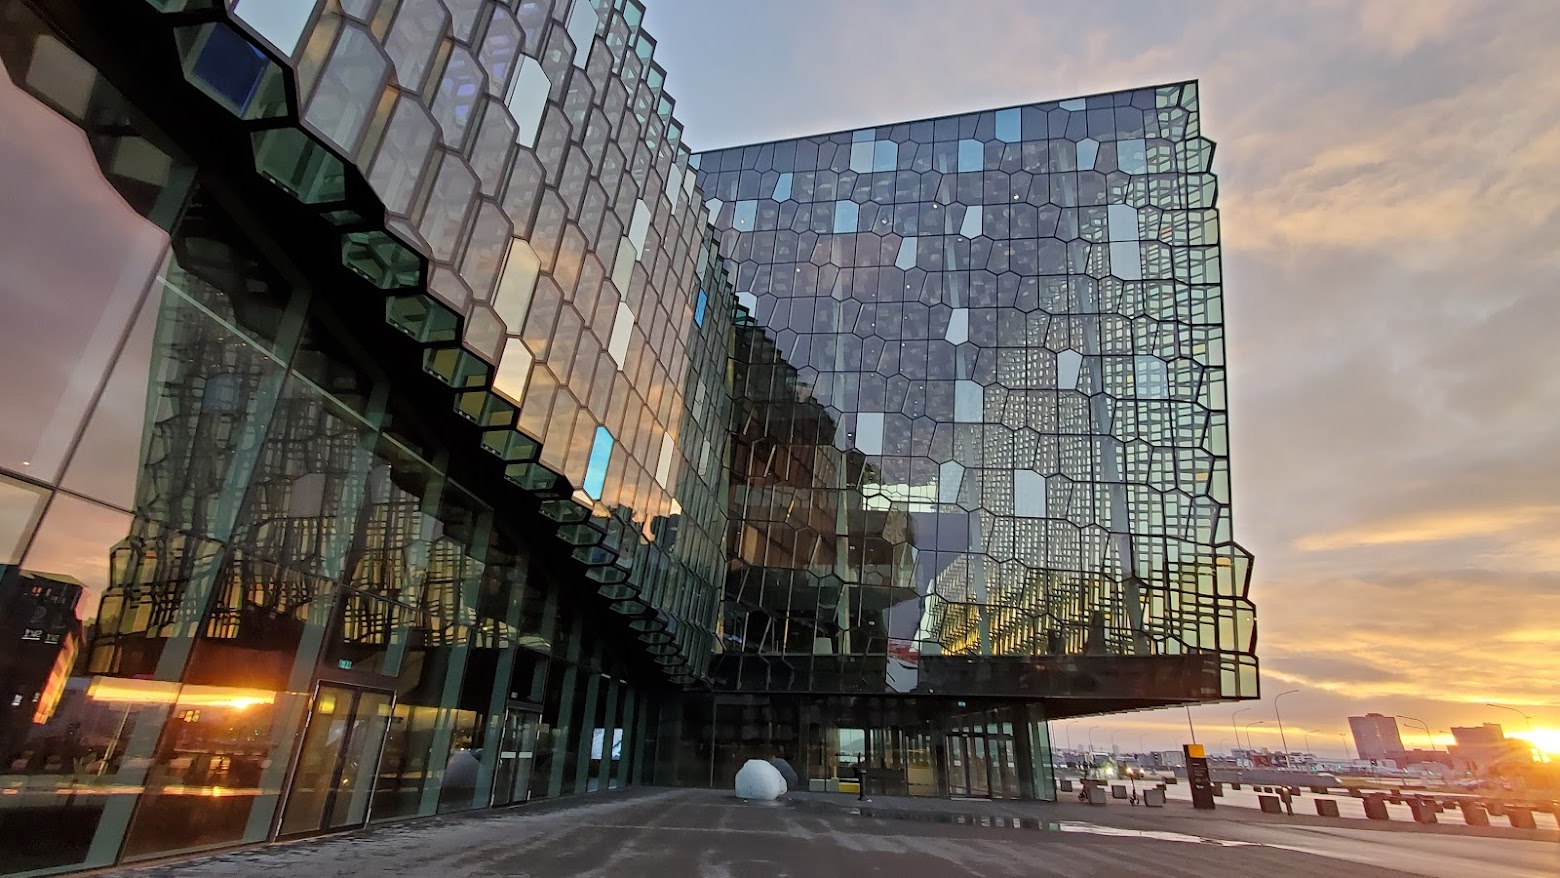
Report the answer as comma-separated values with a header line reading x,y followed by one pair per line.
x,y
401,420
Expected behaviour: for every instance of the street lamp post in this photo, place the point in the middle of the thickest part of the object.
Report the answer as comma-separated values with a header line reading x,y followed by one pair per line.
x,y
1260,722
1067,730
1283,740
1421,723
1092,730
1525,718
1234,727
1343,745
1140,742
1307,740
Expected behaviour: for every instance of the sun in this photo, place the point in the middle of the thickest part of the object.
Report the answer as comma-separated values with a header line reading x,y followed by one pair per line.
x,y
1545,740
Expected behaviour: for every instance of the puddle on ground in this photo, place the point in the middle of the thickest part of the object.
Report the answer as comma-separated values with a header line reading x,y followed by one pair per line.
x,y
1074,826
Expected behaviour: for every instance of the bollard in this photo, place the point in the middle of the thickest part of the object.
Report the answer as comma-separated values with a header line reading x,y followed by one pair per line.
x,y
1096,794
1218,790
1424,811
1376,808
1521,818
1066,786
1234,786
1154,798
1270,805
1118,791
1294,791
1497,809
1320,791
1326,807
1474,814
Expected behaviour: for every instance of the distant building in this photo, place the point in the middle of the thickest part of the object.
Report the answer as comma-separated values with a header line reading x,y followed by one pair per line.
x,y
1487,747
1375,736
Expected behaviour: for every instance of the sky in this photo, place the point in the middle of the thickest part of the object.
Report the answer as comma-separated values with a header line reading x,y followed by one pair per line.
x,y
1390,197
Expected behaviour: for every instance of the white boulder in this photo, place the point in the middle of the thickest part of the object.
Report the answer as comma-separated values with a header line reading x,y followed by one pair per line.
x,y
760,781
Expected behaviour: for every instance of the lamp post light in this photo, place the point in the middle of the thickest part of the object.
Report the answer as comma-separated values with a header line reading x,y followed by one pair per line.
x,y
1234,727
1067,731
1307,733
1283,740
1092,730
1343,745
1260,722
1525,718
1421,723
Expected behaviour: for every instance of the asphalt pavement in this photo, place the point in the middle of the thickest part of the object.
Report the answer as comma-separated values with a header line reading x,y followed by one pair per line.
x,y
710,834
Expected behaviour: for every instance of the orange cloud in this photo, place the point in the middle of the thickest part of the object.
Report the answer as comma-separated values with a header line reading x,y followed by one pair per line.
x,y
1431,527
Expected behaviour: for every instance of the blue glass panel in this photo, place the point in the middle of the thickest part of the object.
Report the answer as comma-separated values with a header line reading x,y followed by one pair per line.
x,y
698,308
971,155
846,215
783,187
885,155
1008,125
230,67
596,468
743,214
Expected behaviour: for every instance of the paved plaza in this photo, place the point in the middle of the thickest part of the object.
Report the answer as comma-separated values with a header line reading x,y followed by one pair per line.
x,y
710,834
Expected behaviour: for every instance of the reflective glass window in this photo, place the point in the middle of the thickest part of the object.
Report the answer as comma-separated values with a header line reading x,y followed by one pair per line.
x,y
596,468
20,506
349,89
281,22
65,315
846,216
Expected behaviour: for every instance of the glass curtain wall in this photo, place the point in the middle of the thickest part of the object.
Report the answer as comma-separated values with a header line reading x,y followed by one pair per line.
x,y
897,746
240,593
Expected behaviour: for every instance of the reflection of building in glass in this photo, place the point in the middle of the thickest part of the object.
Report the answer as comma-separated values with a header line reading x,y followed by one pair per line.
x,y
430,430
42,636
1375,736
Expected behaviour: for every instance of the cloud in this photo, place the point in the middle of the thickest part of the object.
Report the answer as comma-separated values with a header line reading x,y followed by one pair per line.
x,y
1433,527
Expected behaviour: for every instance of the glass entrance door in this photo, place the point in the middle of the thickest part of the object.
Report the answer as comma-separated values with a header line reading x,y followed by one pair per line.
x,y
981,765
334,777
968,765
516,748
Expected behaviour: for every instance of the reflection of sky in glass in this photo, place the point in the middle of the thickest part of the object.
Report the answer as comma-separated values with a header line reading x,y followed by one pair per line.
x,y
74,540
596,467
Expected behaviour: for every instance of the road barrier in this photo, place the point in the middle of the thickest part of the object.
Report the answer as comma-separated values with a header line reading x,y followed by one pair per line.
x,y
1474,814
